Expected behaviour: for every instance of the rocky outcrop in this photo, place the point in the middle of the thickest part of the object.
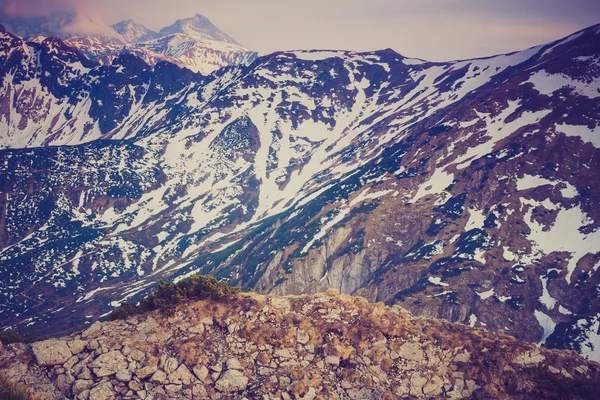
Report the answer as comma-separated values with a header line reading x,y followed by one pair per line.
x,y
306,347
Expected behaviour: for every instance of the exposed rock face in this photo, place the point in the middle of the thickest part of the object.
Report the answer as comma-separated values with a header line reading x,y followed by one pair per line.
x,y
51,352
309,347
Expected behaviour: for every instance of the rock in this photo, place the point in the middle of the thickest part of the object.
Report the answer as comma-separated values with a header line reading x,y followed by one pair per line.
x,y
124,375
201,372
77,346
80,385
51,352
173,388
207,321
233,363
302,337
104,391
170,365
93,345
159,377
412,351
217,367
135,385
146,371
199,392
71,363
181,375
232,381
109,363
332,360
463,357
198,329
529,359
93,330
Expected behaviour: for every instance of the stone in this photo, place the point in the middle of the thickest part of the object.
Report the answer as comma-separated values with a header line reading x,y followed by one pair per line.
x,y
170,365
104,391
529,359
217,367
302,337
332,360
232,381
93,345
233,363
51,352
71,363
109,363
159,377
135,385
124,375
93,330
137,355
172,388
207,321
146,371
181,375
199,392
81,385
463,357
412,351
201,372
198,329
77,346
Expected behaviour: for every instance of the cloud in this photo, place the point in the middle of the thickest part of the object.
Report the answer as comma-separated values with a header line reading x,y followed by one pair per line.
x,y
36,8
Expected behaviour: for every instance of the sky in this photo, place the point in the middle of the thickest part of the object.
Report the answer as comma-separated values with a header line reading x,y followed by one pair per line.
x,y
436,30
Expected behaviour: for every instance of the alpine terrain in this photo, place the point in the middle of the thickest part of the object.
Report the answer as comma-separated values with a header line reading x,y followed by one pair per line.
x,y
464,190
194,43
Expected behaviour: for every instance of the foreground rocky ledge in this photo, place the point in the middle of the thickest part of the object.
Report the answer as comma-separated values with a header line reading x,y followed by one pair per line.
x,y
323,346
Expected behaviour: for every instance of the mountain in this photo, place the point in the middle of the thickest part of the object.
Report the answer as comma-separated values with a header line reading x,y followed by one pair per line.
x,y
464,190
132,32
193,43
321,346
197,27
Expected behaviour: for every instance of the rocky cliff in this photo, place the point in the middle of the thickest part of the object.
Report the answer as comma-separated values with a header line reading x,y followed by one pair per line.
x,y
323,346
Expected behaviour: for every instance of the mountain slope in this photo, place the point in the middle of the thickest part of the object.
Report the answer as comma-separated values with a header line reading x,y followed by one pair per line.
x,y
306,347
445,187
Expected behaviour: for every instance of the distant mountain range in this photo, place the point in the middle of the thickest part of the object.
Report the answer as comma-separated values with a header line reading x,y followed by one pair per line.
x,y
194,43
465,190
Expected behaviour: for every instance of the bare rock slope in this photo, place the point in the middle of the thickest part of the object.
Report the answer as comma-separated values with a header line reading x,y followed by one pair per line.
x,y
323,346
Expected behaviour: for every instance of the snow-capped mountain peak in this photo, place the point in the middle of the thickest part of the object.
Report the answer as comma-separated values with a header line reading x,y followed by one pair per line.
x,y
198,27
132,32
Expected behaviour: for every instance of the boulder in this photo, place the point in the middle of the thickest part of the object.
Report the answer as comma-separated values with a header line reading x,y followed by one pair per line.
x,y
51,352
77,346
181,375
104,391
159,377
81,385
233,363
124,375
170,365
109,363
232,381
146,371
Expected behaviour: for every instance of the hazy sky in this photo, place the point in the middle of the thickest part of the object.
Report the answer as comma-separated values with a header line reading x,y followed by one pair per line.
x,y
431,29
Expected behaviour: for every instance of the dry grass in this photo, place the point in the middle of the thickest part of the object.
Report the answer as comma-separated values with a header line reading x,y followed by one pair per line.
x,y
10,390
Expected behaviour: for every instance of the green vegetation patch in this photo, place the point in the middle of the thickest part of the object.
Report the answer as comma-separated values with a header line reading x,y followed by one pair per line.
x,y
168,295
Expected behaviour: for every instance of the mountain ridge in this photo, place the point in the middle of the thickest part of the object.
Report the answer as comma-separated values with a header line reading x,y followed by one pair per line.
x,y
293,347
194,42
